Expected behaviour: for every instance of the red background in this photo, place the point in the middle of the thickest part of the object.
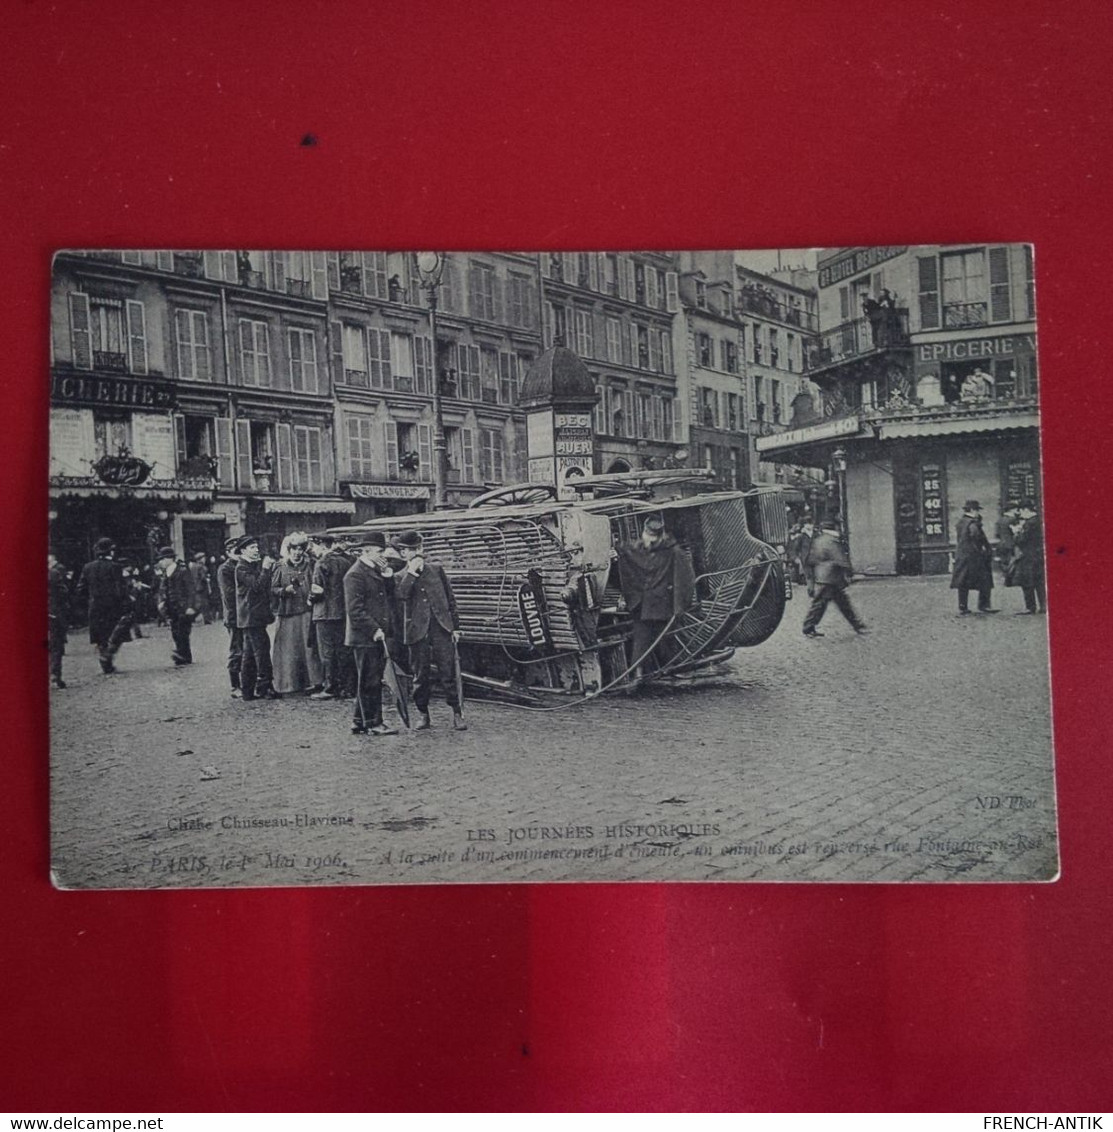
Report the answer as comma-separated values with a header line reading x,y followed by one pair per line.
x,y
576,125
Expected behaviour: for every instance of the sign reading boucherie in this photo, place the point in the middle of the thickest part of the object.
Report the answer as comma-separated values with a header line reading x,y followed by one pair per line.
x,y
111,392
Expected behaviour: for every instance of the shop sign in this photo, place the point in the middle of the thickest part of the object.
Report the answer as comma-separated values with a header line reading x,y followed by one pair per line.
x,y
844,426
112,392
531,609
572,434
975,348
388,491
853,262
931,495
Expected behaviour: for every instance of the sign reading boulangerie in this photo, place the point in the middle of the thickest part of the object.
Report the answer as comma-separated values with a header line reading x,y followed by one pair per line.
x,y
561,598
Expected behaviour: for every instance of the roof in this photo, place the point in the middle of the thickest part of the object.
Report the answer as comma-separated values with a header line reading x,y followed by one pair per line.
x,y
558,376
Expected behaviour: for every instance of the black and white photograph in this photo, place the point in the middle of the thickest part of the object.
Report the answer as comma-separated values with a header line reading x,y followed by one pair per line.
x,y
486,567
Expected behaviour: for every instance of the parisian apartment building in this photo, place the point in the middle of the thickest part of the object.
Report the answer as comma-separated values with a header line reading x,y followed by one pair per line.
x,y
201,394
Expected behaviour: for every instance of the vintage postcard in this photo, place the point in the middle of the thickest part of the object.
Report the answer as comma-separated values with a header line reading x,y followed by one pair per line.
x,y
425,567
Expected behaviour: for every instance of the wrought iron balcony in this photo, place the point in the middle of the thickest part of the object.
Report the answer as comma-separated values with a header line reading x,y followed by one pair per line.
x,y
768,305
110,362
958,315
859,337
300,288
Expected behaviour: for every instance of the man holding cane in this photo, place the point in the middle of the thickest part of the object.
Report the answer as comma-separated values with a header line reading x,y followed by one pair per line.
x,y
369,618
432,628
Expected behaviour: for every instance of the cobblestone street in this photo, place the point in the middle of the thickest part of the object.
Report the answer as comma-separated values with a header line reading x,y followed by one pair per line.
x,y
918,752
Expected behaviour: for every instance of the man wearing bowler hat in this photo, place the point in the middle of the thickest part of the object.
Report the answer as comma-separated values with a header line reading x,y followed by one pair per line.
x,y
432,627
253,615
973,560
177,602
369,625
226,582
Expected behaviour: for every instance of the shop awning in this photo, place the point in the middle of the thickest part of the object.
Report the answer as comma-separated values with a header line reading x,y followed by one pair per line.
x,y
897,430
308,506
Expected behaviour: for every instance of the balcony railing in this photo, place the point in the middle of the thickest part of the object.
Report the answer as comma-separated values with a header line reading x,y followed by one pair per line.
x,y
110,362
861,336
300,288
766,304
957,315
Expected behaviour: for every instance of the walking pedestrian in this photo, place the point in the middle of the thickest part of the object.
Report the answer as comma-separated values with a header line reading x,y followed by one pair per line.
x,y
832,572
369,623
102,585
973,560
253,615
657,585
326,593
432,628
1028,564
295,669
226,585
177,602
58,592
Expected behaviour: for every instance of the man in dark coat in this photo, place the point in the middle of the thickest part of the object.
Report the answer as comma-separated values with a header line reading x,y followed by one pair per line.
x,y
177,602
102,585
973,560
59,611
432,627
253,615
1027,567
657,581
326,596
226,583
369,623
832,571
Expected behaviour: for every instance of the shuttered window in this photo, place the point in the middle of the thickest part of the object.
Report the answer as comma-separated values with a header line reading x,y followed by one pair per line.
x,y
303,360
928,274
508,377
308,459
360,446
491,455
378,358
423,364
1000,305
255,361
191,329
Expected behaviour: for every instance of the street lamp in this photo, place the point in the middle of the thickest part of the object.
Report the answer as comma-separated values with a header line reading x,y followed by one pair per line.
x,y
430,269
838,460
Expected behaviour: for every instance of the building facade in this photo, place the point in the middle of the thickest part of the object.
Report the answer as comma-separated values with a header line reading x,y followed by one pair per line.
x,y
616,312
926,360
199,395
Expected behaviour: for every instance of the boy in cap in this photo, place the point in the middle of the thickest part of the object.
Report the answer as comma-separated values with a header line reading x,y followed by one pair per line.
x,y
973,560
832,572
177,602
369,626
432,627
326,596
253,615
198,571
226,583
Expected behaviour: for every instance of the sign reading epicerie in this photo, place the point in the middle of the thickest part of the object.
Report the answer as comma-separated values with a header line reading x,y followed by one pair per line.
x,y
976,348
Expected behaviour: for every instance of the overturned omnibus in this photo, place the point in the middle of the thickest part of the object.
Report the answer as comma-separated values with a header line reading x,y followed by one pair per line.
x,y
538,586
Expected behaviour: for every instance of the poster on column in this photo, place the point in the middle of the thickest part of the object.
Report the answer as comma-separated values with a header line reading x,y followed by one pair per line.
x,y
712,619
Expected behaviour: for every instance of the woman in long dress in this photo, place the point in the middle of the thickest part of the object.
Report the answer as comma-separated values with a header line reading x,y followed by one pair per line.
x,y
296,667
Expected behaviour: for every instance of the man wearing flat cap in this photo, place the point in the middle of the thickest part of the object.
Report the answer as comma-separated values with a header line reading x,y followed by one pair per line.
x,y
177,602
253,615
368,602
102,584
657,583
973,560
326,596
432,627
